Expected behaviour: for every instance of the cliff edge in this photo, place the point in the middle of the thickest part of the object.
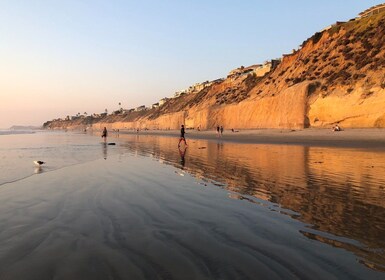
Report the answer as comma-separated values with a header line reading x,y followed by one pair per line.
x,y
337,76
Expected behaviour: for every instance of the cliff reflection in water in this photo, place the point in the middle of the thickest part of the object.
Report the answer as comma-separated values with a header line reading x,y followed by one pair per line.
x,y
339,192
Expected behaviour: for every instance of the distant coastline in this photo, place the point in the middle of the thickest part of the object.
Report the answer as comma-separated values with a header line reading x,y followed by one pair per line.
x,y
10,132
25,127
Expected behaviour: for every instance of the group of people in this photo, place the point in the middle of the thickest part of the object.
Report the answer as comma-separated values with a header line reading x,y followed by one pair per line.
x,y
182,133
181,138
336,128
219,131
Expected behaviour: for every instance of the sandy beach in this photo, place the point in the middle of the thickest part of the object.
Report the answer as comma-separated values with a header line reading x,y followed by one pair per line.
x,y
358,138
144,209
192,140
131,219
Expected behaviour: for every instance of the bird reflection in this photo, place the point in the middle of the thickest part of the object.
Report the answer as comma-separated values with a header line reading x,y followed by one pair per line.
x,y
38,170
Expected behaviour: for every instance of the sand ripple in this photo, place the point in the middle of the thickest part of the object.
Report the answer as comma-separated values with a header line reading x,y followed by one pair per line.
x,y
133,218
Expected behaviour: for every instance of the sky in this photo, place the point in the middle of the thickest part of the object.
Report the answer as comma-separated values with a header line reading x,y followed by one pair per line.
x,y
60,58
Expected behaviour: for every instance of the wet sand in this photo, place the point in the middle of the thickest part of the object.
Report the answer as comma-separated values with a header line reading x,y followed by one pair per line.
x,y
225,211
132,218
356,138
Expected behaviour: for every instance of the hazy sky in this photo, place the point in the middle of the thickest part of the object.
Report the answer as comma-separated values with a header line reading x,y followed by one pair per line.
x,y
58,58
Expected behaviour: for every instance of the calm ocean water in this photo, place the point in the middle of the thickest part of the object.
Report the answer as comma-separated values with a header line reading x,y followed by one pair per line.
x,y
144,209
18,150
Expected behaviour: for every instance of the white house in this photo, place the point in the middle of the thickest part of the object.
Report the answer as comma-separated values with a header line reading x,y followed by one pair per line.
x,y
162,101
140,108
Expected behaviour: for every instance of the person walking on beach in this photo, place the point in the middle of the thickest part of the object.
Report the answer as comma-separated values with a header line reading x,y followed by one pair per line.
x,y
182,132
218,131
221,130
104,134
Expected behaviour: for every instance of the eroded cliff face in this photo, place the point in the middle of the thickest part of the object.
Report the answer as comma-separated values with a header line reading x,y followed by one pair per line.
x,y
338,76
351,110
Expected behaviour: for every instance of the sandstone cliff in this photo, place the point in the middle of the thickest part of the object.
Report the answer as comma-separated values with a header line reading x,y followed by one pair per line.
x,y
337,76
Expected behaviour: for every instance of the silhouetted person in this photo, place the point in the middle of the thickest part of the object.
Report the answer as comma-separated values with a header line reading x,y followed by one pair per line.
x,y
182,132
104,134
221,130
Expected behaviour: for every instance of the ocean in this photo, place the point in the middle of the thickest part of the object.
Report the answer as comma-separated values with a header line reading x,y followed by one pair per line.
x,y
146,209
18,150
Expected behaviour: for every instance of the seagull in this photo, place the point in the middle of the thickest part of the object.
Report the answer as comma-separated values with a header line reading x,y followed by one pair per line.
x,y
38,162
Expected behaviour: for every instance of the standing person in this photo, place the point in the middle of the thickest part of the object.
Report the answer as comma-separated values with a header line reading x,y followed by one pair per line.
x,y
182,132
104,134
221,130
218,131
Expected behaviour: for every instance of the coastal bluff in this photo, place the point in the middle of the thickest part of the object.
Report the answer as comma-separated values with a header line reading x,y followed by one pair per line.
x,y
336,76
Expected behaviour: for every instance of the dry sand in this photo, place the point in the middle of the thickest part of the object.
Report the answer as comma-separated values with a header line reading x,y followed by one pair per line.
x,y
358,138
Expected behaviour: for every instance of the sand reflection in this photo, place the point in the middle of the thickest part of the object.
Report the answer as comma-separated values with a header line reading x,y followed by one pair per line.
x,y
339,192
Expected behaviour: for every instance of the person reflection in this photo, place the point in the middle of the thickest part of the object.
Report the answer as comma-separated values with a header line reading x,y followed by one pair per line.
x,y
182,153
219,146
104,145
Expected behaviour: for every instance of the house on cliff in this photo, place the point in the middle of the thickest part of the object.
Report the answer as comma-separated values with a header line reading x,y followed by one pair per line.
x,y
259,70
179,93
267,67
127,111
195,88
163,100
235,73
198,87
372,11
217,81
140,108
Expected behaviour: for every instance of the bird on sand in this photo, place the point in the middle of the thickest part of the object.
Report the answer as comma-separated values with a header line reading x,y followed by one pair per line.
x,y
38,162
